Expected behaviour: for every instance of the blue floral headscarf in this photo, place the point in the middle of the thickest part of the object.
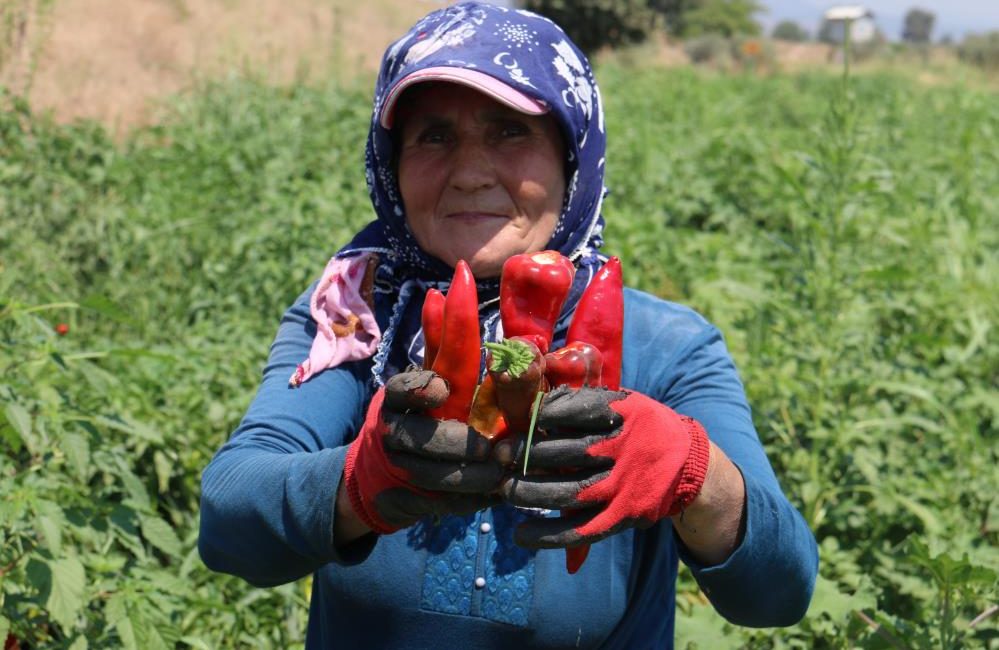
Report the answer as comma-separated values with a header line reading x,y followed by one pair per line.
x,y
532,55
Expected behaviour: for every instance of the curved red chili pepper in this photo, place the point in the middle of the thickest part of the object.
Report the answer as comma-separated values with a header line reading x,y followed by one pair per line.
x,y
457,360
433,326
533,289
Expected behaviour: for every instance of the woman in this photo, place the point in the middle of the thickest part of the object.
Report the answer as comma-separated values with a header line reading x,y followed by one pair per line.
x,y
487,140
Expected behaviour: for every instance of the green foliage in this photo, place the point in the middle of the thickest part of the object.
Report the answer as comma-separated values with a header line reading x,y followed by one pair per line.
x,y
170,258
729,54
843,236
788,30
593,24
725,17
981,50
674,13
710,48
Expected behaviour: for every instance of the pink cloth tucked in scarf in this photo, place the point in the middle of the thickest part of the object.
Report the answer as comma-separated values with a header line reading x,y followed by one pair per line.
x,y
339,307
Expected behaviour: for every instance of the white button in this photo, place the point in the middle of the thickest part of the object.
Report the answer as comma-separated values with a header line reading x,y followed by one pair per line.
x,y
480,583
485,527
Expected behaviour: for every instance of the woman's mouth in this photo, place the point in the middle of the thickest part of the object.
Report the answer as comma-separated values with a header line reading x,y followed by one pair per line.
x,y
474,216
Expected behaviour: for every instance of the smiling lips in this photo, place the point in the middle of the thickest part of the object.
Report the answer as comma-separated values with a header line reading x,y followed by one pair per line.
x,y
474,216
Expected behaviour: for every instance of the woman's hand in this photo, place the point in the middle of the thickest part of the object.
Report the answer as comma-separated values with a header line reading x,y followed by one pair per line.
x,y
404,465
616,460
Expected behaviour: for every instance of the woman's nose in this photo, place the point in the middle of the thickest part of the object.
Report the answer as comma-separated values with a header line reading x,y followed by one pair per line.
x,y
472,167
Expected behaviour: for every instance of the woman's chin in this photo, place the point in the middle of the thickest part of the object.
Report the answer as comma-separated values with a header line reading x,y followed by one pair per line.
x,y
485,268
484,252
487,246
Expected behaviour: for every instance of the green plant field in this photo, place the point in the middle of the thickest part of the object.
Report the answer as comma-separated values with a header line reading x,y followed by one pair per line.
x,y
843,235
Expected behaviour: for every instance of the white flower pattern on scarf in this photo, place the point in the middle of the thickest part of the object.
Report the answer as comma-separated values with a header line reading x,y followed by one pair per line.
x,y
439,39
580,91
506,61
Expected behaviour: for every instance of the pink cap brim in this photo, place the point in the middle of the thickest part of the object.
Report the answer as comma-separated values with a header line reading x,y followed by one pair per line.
x,y
474,79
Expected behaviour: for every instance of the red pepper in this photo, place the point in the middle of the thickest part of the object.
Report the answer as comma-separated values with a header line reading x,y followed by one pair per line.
x,y
433,326
599,320
457,360
518,369
576,365
486,416
533,288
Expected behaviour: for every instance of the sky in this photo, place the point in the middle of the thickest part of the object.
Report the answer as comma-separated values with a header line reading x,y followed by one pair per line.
x,y
953,17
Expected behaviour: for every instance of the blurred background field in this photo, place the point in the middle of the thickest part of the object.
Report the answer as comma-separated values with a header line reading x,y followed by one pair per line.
x,y
841,230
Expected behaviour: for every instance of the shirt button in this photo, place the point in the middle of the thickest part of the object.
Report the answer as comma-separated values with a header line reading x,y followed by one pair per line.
x,y
485,527
480,582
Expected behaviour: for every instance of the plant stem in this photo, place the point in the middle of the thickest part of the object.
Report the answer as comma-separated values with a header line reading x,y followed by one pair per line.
x,y
983,616
530,432
879,630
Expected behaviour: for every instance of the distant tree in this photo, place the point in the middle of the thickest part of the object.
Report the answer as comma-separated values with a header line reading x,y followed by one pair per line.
x,y
918,26
724,17
593,24
788,30
674,13
981,50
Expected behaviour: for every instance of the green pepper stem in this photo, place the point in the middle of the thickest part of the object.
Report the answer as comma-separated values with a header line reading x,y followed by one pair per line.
x,y
510,356
530,431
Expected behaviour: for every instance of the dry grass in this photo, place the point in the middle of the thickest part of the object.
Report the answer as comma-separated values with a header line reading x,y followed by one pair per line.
x,y
111,60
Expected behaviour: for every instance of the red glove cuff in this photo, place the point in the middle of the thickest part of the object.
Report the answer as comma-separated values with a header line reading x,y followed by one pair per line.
x,y
357,501
695,469
367,471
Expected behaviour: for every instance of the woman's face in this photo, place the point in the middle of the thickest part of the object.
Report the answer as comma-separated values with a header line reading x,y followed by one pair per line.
x,y
480,182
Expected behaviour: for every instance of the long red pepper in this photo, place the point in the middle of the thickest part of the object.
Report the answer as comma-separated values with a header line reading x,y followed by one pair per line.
x,y
576,365
433,326
457,360
599,321
533,289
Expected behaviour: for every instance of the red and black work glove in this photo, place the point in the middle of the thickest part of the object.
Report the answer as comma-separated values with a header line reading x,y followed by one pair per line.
x,y
404,465
616,459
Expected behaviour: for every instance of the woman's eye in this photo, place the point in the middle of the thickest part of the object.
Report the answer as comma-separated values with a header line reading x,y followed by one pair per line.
x,y
514,130
433,136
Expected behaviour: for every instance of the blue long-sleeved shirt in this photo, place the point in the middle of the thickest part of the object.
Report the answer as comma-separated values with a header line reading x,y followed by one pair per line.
x,y
268,508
